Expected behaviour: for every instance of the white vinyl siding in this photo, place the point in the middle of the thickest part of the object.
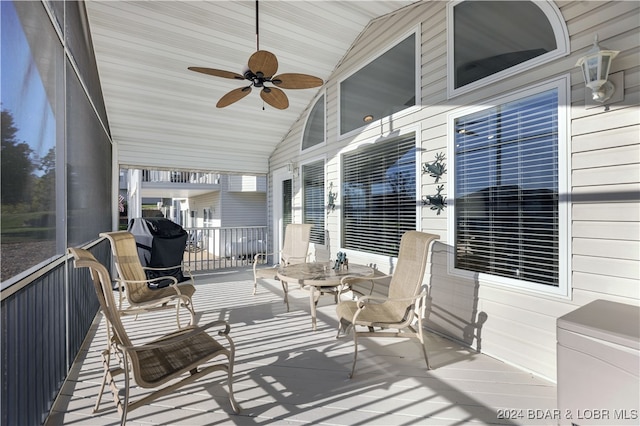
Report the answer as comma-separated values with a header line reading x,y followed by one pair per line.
x,y
601,177
239,183
243,209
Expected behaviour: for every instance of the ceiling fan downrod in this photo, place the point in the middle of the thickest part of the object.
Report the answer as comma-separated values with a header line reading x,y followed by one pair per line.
x,y
257,29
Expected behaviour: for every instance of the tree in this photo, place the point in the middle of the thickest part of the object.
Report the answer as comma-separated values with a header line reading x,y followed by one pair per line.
x,y
44,189
16,164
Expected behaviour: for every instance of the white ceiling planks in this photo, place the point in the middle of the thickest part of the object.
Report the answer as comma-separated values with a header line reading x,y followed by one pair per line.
x,y
163,115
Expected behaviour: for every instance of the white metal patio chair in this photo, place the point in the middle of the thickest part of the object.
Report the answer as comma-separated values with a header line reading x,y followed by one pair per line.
x,y
134,286
295,250
404,305
161,364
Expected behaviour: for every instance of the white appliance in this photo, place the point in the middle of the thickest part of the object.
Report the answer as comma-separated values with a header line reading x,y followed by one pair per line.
x,y
599,365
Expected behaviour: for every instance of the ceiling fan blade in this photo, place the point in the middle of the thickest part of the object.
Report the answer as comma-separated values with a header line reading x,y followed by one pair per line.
x,y
217,73
274,97
263,62
296,81
233,96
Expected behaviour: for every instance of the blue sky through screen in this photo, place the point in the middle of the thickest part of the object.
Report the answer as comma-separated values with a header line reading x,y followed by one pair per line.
x,y
22,90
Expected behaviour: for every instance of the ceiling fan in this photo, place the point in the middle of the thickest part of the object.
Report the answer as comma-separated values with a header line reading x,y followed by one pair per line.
x,y
260,69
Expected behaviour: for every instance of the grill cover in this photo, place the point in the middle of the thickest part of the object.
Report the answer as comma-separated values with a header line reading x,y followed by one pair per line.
x,y
161,244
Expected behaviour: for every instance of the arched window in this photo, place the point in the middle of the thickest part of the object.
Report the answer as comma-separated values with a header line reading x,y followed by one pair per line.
x,y
489,40
314,129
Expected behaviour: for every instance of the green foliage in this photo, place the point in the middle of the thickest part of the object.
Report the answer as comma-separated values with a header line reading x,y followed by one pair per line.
x,y
17,164
27,199
20,226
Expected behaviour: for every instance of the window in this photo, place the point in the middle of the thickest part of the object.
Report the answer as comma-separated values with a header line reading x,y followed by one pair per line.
x,y
314,129
379,196
29,156
480,49
313,199
287,204
383,87
508,219
56,185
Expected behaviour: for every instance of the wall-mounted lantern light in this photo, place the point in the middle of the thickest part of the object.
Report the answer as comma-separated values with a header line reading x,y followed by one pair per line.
x,y
595,70
293,169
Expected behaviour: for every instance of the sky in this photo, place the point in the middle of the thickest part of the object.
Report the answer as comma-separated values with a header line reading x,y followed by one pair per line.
x,y
22,91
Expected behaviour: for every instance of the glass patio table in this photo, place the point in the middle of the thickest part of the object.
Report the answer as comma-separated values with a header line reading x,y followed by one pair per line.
x,y
318,277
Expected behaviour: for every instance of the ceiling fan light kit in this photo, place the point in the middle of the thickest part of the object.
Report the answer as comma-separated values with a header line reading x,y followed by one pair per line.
x,y
261,69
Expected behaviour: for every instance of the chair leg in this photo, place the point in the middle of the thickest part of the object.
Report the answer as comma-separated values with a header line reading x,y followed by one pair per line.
x,y
192,312
343,326
232,400
178,313
188,306
105,377
424,347
125,401
285,289
355,353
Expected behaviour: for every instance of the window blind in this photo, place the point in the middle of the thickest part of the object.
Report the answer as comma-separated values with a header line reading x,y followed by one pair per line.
x,y
506,190
287,204
313,199
379,196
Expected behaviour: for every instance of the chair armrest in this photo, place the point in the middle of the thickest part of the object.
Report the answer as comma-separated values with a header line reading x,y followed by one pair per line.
x,y
288,259
163,268
354,279
362,305
259,255
186,271
349,280
151,281
256,258
364,299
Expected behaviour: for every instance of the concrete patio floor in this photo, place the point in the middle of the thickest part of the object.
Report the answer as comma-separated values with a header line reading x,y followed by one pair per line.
x,y
286,374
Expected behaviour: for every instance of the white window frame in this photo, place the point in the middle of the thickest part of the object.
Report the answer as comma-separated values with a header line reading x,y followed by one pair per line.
x,y
417,83
554,16
306,122
563,290
371,258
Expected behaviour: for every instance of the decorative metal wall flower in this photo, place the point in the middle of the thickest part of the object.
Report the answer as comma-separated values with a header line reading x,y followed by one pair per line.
x,y
331,199
435,169
437,202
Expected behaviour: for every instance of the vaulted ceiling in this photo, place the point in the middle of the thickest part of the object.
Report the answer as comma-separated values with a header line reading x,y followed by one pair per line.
x,y
162,115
